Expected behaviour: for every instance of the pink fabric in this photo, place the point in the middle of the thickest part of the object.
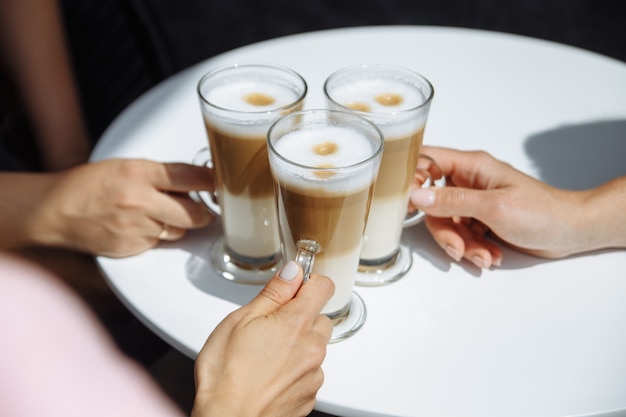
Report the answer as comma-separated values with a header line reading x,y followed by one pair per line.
x,y
56,359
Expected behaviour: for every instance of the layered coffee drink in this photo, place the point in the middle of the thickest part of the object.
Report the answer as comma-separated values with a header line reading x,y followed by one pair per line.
x,y
398,105
403,141
238,109
324,175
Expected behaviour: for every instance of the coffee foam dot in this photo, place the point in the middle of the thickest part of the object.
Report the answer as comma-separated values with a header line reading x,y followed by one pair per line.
x,y
259,99
324,174
389,99
248,96
358,106
378,95
325,148
251,95
349,146
383,97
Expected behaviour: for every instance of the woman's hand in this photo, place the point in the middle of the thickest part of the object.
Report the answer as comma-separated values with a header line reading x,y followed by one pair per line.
x,y
116,207
265,358
488,195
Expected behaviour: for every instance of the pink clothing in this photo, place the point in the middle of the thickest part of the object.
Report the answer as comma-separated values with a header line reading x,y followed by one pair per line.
x,y
56,359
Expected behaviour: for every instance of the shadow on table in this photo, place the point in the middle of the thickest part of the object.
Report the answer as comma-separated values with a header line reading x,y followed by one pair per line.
x,y
578,157
200,272
424,246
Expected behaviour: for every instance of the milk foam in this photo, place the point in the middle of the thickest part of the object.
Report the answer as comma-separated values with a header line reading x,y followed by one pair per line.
x,y
232,96
365,92
351,148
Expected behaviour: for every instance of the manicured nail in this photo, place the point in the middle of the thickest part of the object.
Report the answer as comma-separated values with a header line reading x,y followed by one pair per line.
x,y
422,197
480,262
452,252
289,271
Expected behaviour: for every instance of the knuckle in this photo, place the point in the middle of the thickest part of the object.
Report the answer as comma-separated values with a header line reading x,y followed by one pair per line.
x,y
454,197
272,294
481,156
327,286
318,353
318,379
126,199
122,186
132,168
235,316
121,226
198,214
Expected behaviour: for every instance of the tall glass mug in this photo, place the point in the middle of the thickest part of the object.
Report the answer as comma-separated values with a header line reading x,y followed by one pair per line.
x,y
397,100
324,164
239,103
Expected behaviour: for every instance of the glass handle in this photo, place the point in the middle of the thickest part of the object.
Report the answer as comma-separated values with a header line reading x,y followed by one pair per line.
x,y
427,173
307,249
203,158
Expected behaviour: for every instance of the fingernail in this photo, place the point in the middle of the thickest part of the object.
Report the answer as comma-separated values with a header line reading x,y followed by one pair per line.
x,y
422,197
452,252
480,262
289,271
496,261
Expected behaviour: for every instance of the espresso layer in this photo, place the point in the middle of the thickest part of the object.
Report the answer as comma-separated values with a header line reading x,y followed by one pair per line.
x,y
398,165
335,221
241,163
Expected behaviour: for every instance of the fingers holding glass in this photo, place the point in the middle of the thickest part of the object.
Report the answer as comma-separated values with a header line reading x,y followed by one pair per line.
x,y
465,239
323,197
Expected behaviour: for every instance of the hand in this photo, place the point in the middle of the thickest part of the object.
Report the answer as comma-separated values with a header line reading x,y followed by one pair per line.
x,y
265,358
119,207
487,195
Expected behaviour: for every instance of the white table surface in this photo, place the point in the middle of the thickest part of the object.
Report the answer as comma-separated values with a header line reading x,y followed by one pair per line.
x,y
531,338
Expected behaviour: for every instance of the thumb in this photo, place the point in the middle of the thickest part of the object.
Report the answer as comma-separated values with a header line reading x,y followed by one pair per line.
x,y
279,290
450,201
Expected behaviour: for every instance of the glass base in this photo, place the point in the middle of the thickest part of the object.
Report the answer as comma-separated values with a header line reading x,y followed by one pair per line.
x,y
231,270
347,322
387,271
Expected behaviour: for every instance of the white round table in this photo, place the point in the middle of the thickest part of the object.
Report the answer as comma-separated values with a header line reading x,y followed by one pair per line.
x,y
531,338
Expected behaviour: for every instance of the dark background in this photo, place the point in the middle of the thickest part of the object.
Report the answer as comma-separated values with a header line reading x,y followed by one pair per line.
x,y
203,28
121,48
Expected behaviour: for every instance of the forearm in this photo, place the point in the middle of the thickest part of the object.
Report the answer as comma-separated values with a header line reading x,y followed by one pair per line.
x,y
23,211
36,54
601,218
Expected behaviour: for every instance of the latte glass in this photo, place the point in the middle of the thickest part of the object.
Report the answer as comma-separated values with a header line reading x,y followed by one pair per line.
x,y
324,164
397,100
239,103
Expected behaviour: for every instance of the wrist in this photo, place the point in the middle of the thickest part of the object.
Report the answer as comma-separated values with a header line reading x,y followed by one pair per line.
x,y
216,405
602,222
43,225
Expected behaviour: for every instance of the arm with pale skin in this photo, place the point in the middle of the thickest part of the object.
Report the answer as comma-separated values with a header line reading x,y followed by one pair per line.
x,y
33,44
116,207
522,211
